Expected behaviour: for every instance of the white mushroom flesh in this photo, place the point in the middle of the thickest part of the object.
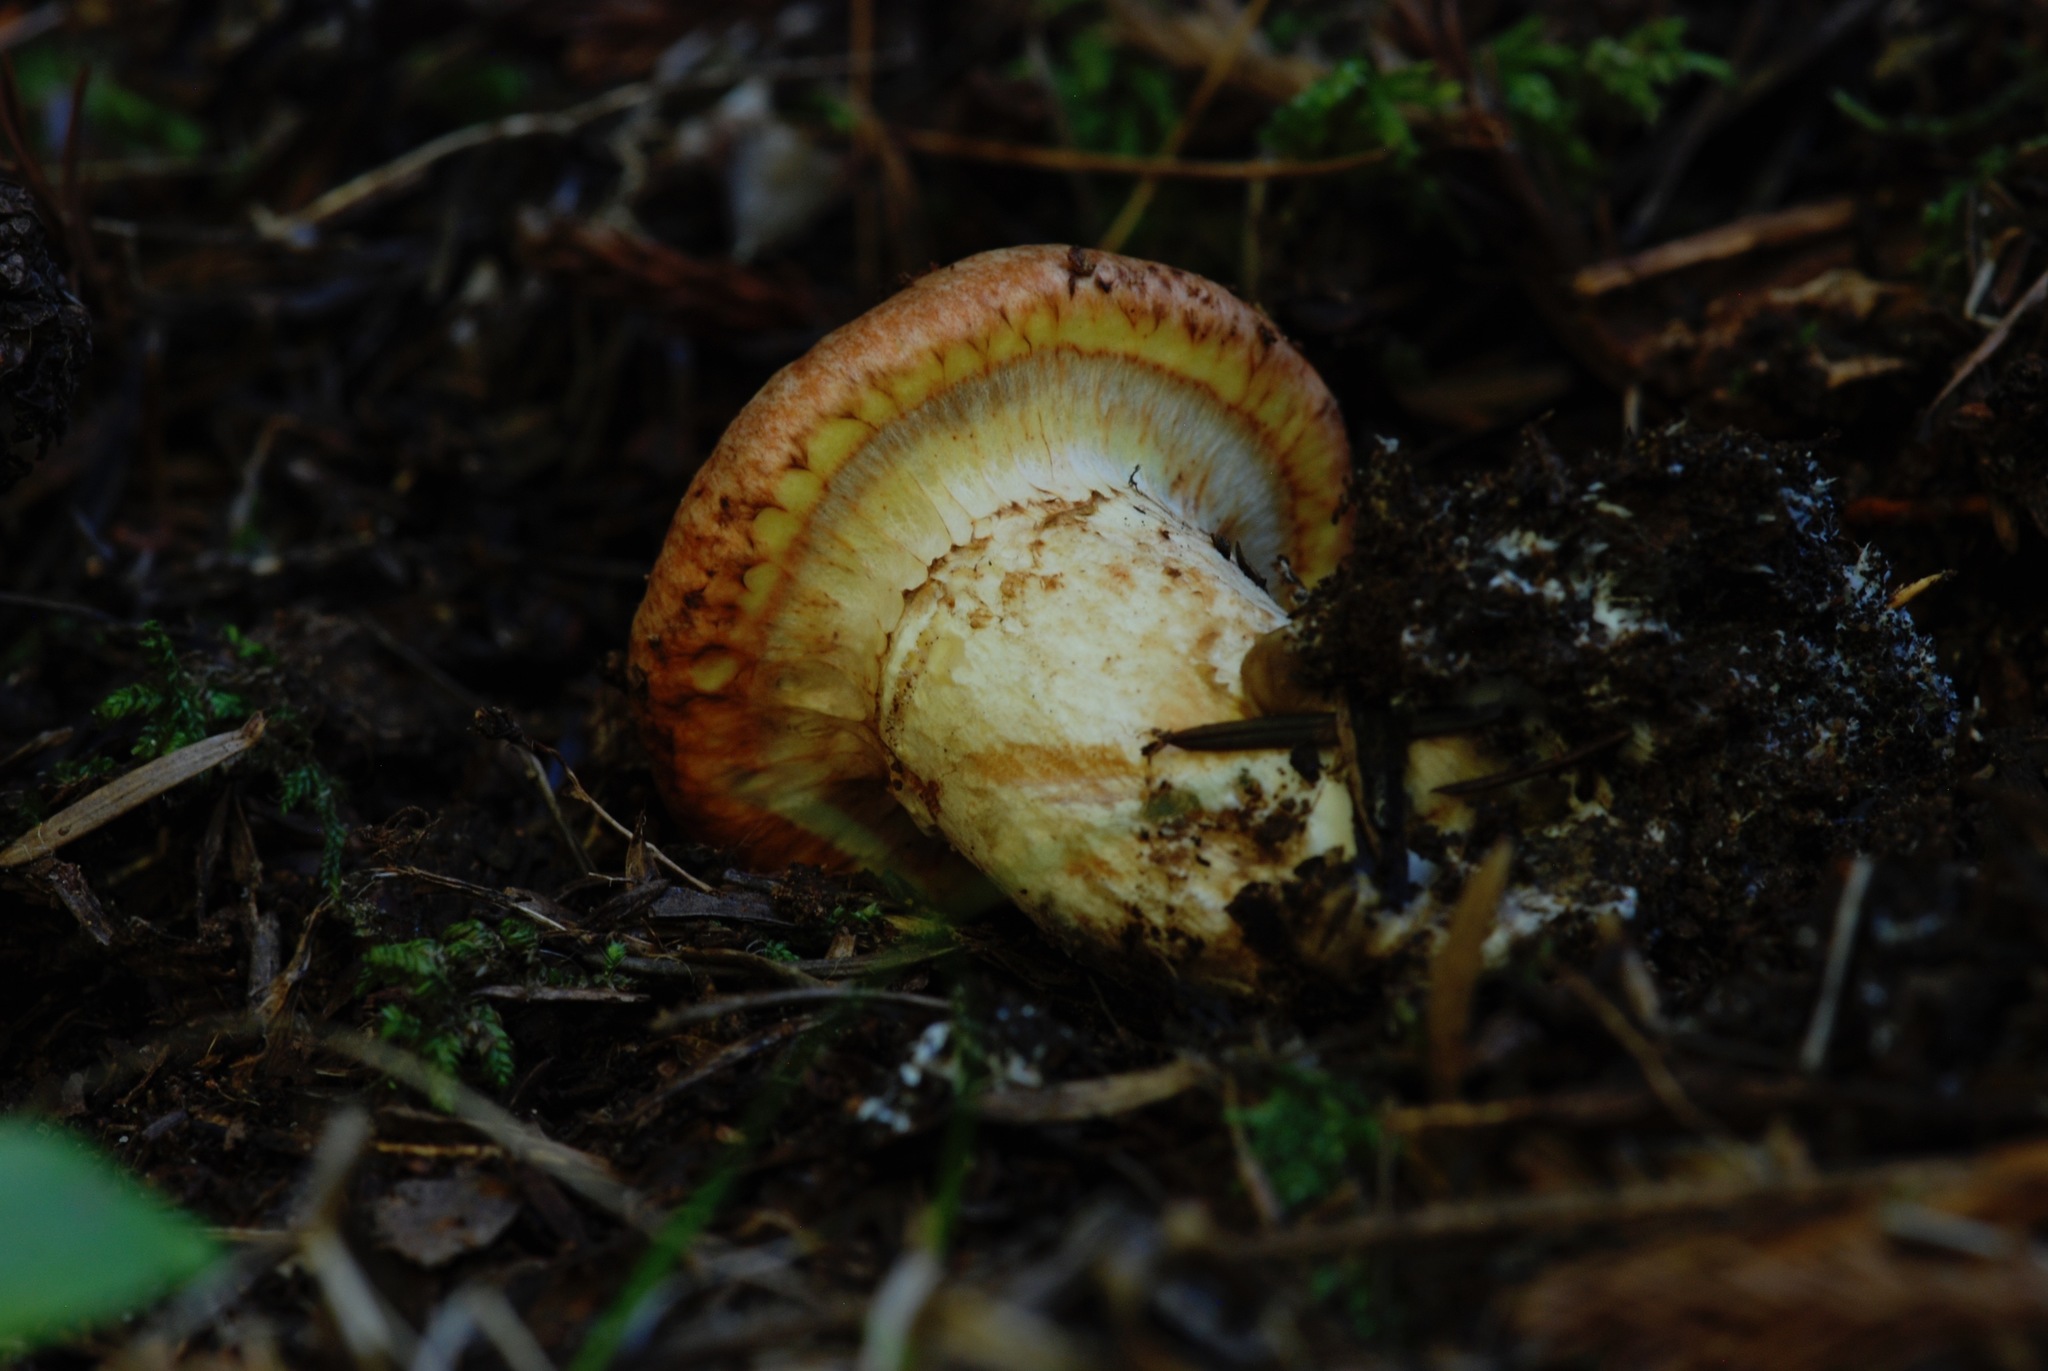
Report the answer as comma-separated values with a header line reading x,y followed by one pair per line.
x,y
1029,673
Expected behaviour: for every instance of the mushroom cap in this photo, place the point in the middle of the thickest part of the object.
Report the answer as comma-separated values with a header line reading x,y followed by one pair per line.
x,y
1014,376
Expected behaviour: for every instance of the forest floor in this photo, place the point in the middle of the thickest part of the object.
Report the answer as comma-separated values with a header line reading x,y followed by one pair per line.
x,y
409,324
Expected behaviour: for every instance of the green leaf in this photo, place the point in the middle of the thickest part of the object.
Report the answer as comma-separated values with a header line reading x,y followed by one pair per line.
x,y
83,1242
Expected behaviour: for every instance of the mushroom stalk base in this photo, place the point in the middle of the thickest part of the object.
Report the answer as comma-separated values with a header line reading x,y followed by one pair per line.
x,y
1019,694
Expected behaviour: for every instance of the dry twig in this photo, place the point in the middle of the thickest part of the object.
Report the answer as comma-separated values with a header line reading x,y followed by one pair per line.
x,y
938,143
1751,233
1220,63
1573,1209
770,999
1848,915
1656,1072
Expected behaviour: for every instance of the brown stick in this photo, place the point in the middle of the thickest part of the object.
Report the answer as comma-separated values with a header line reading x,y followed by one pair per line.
x,y
1994,340
1454,970
1577,1209
1748,234
1225,57
1656,1072
938,143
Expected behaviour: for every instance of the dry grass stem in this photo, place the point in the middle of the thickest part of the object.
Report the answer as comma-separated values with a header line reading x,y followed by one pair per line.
x,y
135,789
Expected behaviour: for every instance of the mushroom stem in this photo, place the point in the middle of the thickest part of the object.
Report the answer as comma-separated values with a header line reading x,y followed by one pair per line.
x,y
1019,692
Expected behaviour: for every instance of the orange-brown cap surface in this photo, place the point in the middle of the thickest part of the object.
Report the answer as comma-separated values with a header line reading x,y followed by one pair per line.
x,y
1014,376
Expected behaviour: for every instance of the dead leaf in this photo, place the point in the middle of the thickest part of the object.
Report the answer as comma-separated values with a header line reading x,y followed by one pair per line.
x,y
131,791
434,1221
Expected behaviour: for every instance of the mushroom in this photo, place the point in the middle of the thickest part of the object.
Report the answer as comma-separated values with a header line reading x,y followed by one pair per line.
x,y
948,577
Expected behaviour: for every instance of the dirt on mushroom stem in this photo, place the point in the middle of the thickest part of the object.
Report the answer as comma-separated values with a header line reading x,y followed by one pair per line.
x,y
1690,602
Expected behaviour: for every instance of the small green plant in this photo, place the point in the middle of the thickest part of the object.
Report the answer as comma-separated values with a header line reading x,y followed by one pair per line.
x,y
777,951
81,769
175,707
121,121
1357,108
308,783
1113,102
245,648
862,916
433,1011
1308,1132
176,703
1555,93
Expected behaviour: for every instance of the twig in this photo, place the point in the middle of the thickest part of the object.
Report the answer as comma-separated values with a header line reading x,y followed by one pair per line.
x,y
25,28
723,1059
65,883
512,900
789,973
1656,1072
1455,968
1848,916
1721,103
1250,1173
1460,1115
539,771
478,1308
42,742
575,791
1578,1209
938,143
769,999
586,1175
1481,784
373,1332
49,606
403,170
1993,341
495,723
1220,63
1099,1097
1744,235
131,791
